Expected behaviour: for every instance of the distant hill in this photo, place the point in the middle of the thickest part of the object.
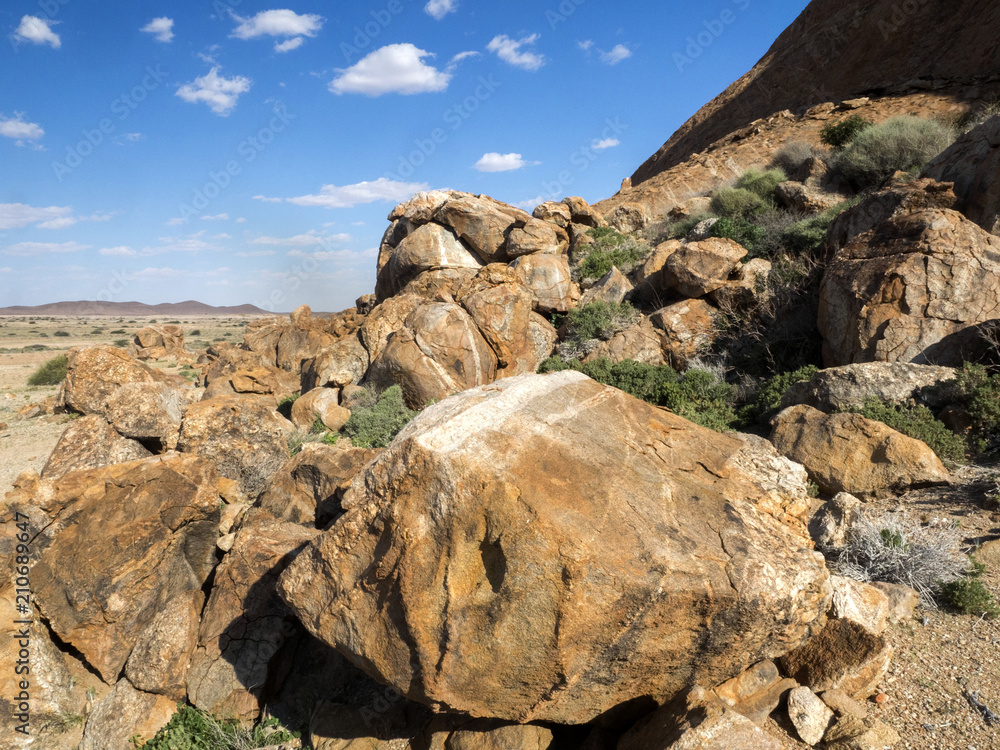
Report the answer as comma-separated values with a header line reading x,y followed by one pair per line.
x,y
135,309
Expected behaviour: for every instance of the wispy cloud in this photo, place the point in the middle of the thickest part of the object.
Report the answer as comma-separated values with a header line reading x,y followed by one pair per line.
x,y
218,92
16,127
254,253
395,69
19,215
37,30
438,9
494,162
309,239
121,251
348,196
279,23
605,143
43,248
511,52
161,28
616,55
217,217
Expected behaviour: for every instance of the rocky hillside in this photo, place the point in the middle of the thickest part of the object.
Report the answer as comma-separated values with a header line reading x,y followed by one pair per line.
x,y
829,52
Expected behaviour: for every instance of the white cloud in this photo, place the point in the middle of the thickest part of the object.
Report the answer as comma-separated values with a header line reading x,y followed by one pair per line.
x,y
494,162
37,31
605,143
309,239
509,50
531,203
348,196
161,28
221,236
335,254
585,45
289,45
265,199
124,138
176,222
255,254
121,251
16,127
397,68
440,8
191,243
40,248
18,215
217,217
6,269
284,23
151,274
61,222
616,55
241,220
218,92
454,62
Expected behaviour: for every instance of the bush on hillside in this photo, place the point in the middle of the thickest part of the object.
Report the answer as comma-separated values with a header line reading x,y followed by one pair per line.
x,y
737,203
742,231
599,320
839,135
790,157
608,250
767,398
900,144
920,423
976,392
374,424
760,183
52,372
969,596
193,729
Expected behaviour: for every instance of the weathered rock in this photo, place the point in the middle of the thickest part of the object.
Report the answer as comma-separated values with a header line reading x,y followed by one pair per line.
x,y
244,439
860,603
482,223
844,705
902,600
385,320
851,733
125,713
90,443
420,209
338,726
322,404
612,288
548,277
131,537
972,164
912,290
490,603
582,213
157,342
834,520
510,737
159,662
783,483
849,453
698,721
309,488
702,230
804,198
149,412
747,285
651,271
629,218
691,207
811,716
501,307
894,201
430,247
640,342
537,237
265,381
342,363
688,328
93,374
698,268
756,692
543,337
839,388
554,213
245,623
439,351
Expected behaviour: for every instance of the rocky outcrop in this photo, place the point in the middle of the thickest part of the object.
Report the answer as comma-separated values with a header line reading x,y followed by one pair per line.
x,y
688,328
840,388
849,453
322,404
90,443
93,374
697,268
460,571
430,247
148,412
157,342
640,342
914,289
549,279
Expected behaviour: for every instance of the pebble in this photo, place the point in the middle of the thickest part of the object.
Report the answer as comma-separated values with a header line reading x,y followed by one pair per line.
x,y
881,698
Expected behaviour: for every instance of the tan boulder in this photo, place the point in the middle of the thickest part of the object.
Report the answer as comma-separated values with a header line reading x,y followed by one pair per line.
x,y
852,733
849,453
526,499
581,212
482,223
549,279
810,715
157,342
509,737
91,443
149,412
844,387
385,320
430,247
503,314
340,364
756,692
554,213
640,342
265,381
245,623
833,521
159,662
797,196
697,268
128,539
244,439
651,271
537,237
912,290
688,327
689,208
543,338
972,164
629,218
123,714
420,209
308,490
902,600
438,351
747,286
322,404
611,288
94,373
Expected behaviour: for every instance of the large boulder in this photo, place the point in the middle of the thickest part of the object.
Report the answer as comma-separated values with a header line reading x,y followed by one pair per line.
x,y
94,373
340,364
148,412
547,548
688,328
843,387
387,318
640,342
322,404
438,351
90,443
912,290
430,247
128,539
849,453
697,268
125,713
972,163
245,439
159,662
549,279
482,223
537,237
157,342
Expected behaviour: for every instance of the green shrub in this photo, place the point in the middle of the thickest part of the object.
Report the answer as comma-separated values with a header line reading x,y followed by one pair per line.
x,y
737,203
790,157
761,183
696,395
598,320
742,231
285,407
118,331
767,399
900,144
920,423
969,596
839,134
681,229
610,249
376,424
121,343
52,372
977,393
195,332
61,334
192,729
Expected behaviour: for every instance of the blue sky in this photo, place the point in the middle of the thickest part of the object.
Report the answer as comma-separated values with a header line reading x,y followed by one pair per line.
x,y
235,151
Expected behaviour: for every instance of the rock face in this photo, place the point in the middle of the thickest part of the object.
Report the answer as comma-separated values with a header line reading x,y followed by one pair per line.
x,y
93,374
130,537
849,453
843,387
90,443
972,163
912,290
473,569
157,342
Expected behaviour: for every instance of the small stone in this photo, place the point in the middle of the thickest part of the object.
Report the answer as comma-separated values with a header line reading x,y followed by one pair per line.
x,y
881,698
810,715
